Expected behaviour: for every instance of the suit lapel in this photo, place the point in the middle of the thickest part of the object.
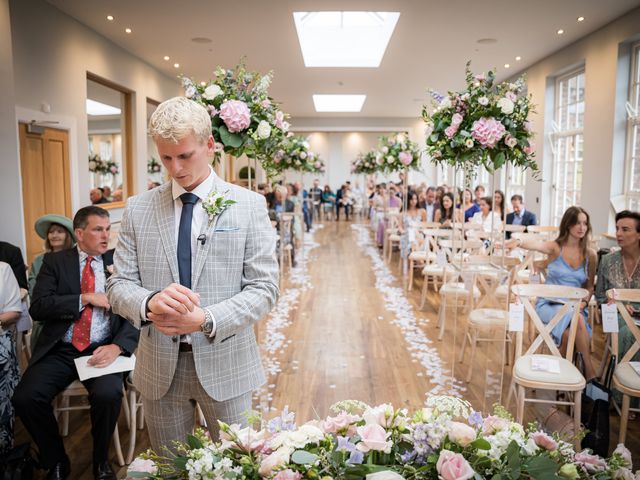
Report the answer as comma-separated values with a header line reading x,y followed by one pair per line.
x,y
165,214
207,229
73,259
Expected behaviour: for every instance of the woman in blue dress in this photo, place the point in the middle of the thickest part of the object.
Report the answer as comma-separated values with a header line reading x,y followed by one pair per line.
x,y
570,263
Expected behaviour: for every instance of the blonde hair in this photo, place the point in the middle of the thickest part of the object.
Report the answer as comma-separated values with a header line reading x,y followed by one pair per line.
x,y
179,117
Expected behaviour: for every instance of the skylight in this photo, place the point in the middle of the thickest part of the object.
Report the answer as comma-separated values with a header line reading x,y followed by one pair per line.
x,y
338,103
344,39
98,108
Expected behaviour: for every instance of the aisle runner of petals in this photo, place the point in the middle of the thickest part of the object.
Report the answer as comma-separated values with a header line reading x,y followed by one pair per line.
x,y
398,304
274,341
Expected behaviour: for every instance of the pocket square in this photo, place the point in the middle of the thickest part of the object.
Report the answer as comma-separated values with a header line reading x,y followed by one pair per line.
x,y
227,229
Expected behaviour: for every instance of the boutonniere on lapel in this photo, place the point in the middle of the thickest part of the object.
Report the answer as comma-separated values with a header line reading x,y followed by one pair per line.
x,y
216,203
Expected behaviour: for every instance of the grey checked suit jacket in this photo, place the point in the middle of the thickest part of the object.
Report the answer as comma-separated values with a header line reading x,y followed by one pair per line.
x,y
235,272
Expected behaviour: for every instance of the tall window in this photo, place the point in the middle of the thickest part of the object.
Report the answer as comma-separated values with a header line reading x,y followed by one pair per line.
x,y
632,177
568,142
516,180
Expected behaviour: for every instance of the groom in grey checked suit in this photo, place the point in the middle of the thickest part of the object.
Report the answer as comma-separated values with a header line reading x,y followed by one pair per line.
x,y
192,284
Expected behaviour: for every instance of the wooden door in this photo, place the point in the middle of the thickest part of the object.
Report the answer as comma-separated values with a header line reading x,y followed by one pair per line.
x,y
46,180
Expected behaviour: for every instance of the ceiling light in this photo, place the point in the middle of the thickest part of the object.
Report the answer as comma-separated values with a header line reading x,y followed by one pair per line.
x,y
98,108
344,39
506,65
110,18
560,32
128,30
203,83
518,58
338,103
581,19
166,57
176,65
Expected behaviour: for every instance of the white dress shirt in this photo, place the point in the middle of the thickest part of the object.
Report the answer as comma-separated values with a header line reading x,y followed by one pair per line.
x,y
198,219
487,222
431,211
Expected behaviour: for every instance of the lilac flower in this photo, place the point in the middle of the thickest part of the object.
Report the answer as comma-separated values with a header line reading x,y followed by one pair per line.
x,y
285,422
344,445
438,97
408,456
475,419
356,457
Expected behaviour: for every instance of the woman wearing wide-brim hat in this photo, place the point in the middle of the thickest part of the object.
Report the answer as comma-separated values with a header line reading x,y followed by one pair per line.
x,y
57,233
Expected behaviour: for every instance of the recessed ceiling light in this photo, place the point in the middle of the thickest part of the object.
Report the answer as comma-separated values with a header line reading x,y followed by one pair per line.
x,y
518,58
166,58
581,19
110,18
338,103
99,108
128,30
344,39
203,83
506,65
560,32
176,65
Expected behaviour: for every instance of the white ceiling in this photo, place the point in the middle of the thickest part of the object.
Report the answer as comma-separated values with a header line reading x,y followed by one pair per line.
x,y
432,41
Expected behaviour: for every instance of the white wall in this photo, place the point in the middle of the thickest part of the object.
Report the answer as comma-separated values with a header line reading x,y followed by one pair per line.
x,y
605,59
52,54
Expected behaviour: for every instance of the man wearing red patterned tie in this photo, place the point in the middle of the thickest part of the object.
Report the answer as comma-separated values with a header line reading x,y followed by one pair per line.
x,y
69,298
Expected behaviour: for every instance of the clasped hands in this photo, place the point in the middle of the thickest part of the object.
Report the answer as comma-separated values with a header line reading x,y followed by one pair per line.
x,y
176,310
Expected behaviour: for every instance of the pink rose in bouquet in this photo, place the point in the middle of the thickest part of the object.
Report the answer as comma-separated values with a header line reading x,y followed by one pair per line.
x,y
487,131
544,441
288,474
405,158
280,120
591,463
510,141
493,424
461,433
450,131
374,437
343,421
456,119
276,459
530,148
140,465
235,115
453,466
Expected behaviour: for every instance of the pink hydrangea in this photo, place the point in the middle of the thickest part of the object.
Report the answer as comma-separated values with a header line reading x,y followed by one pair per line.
x,y
235,115
405,158
487,131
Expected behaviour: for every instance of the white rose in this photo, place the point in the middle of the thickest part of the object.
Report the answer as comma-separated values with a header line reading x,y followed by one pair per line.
x,y
390,159
306,145
385,475
212,91
264,129
445,103
92,165
484,101
303,155
428,130
468,143
379,159
505,105
385,150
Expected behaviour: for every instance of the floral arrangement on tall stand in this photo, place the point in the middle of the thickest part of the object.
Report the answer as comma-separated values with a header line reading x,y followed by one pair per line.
x,y
153,166
245,120
484,125
294,154
446,440
367,163
103,167
396,153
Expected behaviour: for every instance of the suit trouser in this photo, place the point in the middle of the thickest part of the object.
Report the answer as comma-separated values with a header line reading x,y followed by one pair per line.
x,y
172,416
44,380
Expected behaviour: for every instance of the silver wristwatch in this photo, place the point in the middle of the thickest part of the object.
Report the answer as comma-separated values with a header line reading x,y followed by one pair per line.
x,y
207,326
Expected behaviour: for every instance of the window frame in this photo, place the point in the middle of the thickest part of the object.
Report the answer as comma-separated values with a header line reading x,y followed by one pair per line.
x,y
632,197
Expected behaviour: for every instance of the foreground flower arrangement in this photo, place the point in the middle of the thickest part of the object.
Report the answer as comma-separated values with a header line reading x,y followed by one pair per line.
x,y
484,125
445,440
244,118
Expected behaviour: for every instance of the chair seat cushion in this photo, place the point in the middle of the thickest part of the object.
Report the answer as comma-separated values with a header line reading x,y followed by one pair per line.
x,y
453,288
627,376
394,237
569,374
433,269
502,291
421,255
489,317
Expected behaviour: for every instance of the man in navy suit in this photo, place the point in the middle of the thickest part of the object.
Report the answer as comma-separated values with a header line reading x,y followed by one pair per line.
x,y
69,298
520,216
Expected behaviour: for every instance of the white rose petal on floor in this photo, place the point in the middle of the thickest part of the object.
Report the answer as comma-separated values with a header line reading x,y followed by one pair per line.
x,y
397,304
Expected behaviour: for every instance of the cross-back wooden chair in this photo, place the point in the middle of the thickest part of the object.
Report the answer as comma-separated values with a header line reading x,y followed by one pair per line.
x,y
425,249
569,379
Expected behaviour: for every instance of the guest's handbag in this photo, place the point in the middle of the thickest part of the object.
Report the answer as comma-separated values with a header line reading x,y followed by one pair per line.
x,y
17,463
596,405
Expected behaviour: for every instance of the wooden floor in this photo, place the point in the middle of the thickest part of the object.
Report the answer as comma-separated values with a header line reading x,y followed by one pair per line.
x,y
342,344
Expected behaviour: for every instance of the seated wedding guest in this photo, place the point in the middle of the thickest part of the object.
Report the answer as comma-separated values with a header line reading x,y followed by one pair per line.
x,y
520,216
479,191
13,256
328,197
316,198
486,216
57,233
10,308
97,196
570,263
282,204
430,204
447,213
440,191
338,200
469,207
498,203
620,270
347,201
391,201
117,195
69,298
261,189
414,215
106,192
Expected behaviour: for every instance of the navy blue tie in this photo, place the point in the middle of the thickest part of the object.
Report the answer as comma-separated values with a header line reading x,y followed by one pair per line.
x,y
184,238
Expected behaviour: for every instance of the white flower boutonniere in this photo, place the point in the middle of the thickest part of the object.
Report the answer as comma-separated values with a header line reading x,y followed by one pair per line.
x,y
215,204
